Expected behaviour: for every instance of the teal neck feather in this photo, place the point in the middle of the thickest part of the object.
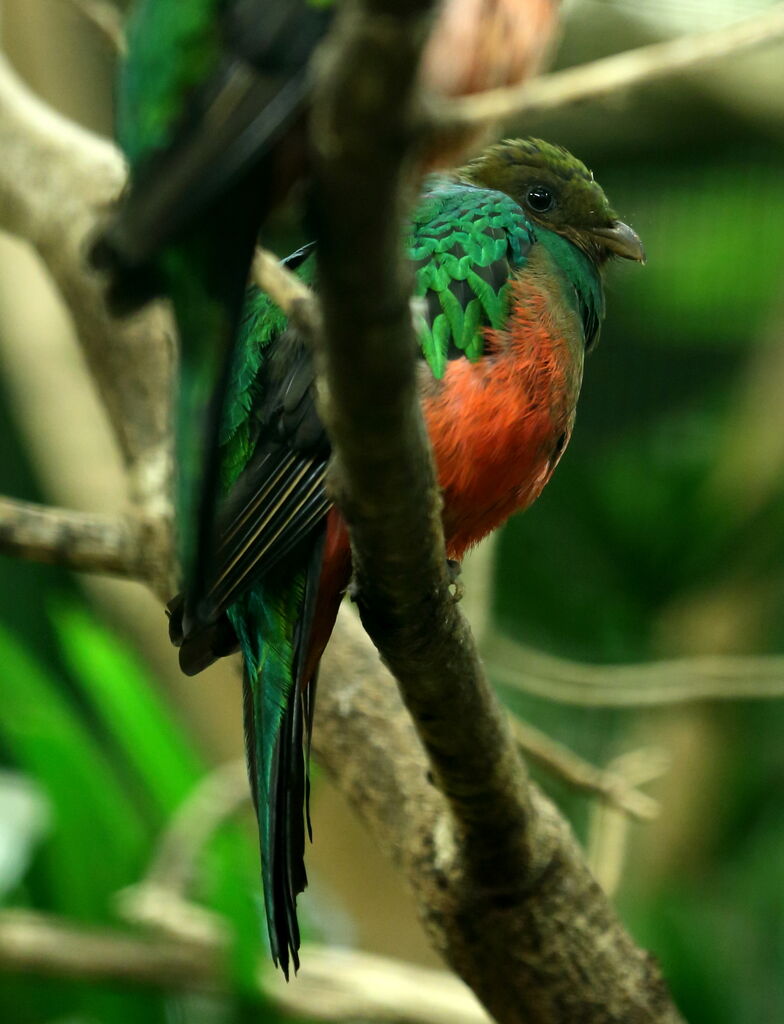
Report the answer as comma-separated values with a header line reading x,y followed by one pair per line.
x,y
582,274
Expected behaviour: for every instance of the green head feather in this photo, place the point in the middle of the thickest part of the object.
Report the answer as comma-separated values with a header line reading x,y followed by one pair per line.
x,y
558,192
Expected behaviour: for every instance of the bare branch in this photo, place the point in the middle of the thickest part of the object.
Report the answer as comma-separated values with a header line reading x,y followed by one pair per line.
x,y
106,19
36,943
287,291
610,786
609,830
160,901
609,75
343,985
333,985
656,684
56,182
131,546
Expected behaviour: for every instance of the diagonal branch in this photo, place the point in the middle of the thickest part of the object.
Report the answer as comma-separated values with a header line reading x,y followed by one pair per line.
x,y
609,75
501,883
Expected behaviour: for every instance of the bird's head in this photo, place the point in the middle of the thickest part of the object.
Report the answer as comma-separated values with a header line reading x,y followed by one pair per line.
x,y
557,191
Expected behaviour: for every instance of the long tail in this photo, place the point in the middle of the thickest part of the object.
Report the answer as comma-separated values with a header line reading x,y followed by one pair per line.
x,y
275,626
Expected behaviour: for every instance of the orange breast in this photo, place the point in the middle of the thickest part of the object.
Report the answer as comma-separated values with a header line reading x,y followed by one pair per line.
x,y
498,426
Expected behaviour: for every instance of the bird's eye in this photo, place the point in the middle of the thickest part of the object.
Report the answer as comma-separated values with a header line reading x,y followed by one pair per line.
x,y
540,199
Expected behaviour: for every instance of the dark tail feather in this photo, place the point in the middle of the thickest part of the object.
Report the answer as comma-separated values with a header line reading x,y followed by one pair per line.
x,y
200,646
289,788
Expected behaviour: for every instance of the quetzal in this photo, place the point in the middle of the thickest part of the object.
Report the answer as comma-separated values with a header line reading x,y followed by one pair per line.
x,y
506,257
212,105
211,111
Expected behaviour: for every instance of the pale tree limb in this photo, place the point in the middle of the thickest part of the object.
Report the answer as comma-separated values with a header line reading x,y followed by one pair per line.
x,y
609,830
333,985
488,849
56,182
129,546
607,76
653,684
104,17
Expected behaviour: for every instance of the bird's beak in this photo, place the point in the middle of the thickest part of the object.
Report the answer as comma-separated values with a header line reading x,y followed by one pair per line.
x,y
621,240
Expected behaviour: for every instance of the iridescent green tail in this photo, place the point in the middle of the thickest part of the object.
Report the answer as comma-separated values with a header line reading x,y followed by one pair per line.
x,y
273,622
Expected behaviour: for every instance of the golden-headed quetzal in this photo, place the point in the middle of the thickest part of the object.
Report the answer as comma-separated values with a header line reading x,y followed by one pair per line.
x,y
507,257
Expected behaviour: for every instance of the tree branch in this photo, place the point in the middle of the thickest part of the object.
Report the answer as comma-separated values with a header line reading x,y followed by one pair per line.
x,y
655,684
56,182
332,985
602,77
132,547
612,787
499,877
104,17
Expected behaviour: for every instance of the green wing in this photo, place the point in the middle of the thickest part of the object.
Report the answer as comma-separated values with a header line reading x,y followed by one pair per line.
x,y
464,243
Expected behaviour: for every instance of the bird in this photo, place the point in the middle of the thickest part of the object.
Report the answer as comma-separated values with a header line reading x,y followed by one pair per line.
x,y
212,110
211,115
507,256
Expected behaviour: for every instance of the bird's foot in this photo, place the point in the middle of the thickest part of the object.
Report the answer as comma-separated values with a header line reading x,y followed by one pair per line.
x,y
453,570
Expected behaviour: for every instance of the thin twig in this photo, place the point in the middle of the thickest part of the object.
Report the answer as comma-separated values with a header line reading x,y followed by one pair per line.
x,y
611,786
160,900
656,684
609,75
287,291
609,829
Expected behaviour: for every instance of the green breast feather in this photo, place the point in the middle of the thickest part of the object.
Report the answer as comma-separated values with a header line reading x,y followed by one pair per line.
x,y
460,239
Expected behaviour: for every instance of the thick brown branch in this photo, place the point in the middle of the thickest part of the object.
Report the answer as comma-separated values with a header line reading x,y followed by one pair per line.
x,y
501,882
552,952
608,75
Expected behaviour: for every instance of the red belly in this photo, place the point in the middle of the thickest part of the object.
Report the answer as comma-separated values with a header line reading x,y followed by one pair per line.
x,y
498,428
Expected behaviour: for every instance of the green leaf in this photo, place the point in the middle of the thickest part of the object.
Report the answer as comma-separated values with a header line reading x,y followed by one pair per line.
x,y
119,690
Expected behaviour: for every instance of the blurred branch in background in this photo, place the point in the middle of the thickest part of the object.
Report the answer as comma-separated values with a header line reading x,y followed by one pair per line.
x,y
608,75
609,829
332,985
125,546
105,17
653,684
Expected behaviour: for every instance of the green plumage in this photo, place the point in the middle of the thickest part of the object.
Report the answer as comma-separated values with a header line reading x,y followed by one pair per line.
x,y
456,233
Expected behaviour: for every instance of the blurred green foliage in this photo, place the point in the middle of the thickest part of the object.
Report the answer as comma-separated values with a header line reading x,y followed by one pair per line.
x,y
112,764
